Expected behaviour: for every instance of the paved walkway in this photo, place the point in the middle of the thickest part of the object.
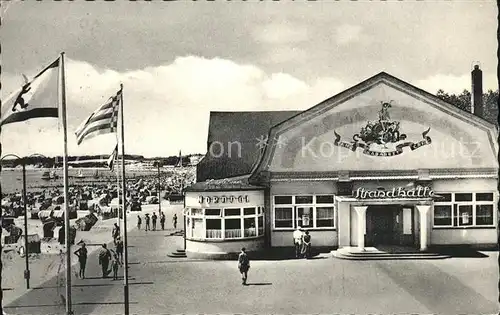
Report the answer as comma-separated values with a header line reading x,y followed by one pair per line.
x,y
163,285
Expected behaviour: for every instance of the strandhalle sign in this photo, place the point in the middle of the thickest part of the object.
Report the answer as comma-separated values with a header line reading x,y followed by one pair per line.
x,y
399,192
382,138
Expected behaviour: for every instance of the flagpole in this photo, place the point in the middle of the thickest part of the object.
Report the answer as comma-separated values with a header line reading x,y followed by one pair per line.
x,y
118,187
66,199
125,241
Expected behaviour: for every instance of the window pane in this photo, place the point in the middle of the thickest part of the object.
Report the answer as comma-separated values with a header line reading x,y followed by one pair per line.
x,y
196,211
249,227
213,227
484,197
283,217
214,224
484,214
324,217
233,211
442,215
303,199
443,197
248,211
465,215
212,211
283,200
197,228
232,228
324,199
463,197
305,216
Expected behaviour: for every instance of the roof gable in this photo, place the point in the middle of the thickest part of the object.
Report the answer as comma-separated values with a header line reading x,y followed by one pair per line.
x,y
350,110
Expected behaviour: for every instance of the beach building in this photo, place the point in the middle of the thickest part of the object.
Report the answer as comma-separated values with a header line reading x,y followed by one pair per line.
x,y
381,163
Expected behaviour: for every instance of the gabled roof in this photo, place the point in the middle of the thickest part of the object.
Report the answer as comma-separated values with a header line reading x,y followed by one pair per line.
x,y
232,142
365,85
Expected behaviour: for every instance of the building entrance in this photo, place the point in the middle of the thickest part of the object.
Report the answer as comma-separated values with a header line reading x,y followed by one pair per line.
x,y
385,225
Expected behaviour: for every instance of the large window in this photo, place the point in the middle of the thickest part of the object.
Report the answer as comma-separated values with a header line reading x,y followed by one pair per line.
x,y
307,211
224,223
464,209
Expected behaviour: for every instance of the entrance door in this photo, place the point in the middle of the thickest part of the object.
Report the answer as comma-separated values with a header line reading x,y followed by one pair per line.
x,y
381,224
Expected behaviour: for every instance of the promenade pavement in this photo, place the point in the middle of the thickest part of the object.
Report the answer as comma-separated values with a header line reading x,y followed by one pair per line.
x,y
164,285
50,264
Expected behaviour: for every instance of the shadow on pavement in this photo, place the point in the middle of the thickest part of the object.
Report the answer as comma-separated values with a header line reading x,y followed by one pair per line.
x,y
107,278
77,303
461,252
77,285
260,283
286,253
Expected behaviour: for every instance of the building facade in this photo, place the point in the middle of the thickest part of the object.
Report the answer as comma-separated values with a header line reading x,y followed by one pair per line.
x,y
382,163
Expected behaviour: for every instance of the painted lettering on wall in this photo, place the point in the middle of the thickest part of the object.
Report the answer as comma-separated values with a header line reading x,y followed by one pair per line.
x,y
396,192
224,199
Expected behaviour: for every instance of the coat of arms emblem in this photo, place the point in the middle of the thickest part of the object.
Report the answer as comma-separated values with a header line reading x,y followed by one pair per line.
x,y
382,137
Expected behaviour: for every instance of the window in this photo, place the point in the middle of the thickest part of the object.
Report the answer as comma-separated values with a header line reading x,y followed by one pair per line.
x,y
464,215
484,214
442,215
233,228
214,228
225,223
324,216
464,209
283,217
308,211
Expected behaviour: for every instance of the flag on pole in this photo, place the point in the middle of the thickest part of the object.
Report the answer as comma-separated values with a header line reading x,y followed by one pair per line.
x,y
102,121
112,158
37,98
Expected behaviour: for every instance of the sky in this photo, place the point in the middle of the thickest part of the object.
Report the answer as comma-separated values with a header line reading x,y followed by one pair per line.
x,y
179,60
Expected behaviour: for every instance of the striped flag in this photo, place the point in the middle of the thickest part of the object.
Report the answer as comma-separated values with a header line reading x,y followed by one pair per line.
x,y
112,158
37,98
102,121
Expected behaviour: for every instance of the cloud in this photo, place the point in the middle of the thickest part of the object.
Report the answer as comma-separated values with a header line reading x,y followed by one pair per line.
x,y
166,108
454,84
347,33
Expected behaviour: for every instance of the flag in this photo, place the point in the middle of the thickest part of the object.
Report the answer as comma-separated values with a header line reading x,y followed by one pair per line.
x,y
112,158
103,120
37,98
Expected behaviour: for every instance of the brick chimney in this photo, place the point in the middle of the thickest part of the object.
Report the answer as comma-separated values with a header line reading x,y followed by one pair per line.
x,y
477,92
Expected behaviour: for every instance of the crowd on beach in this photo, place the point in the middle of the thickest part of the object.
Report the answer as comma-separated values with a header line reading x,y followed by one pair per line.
x,y
101,199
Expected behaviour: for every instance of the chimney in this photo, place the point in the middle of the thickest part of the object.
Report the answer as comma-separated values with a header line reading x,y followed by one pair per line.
x,y
477,92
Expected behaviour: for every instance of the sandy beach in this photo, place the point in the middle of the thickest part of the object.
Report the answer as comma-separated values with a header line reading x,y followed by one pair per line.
x,y
51,261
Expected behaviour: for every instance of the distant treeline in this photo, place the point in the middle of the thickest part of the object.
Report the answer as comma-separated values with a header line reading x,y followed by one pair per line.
x,y
49,162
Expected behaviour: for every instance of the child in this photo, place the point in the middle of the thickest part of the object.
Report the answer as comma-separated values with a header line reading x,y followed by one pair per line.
x,y
115,264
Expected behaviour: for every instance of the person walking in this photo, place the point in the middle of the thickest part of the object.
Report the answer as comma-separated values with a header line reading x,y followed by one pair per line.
x,y
154,218
81,253
306,245
297,241
104,258
148,228
115,265
243,265
119,248
162,221
116,231
174,220
139,222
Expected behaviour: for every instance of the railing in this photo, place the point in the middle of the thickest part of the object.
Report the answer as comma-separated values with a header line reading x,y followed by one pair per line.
x,y
236,233
214,234
250,232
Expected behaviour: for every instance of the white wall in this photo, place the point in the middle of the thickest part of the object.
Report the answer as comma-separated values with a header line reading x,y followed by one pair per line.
x,y
318,238
465,185
223,247
463,236
303,187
